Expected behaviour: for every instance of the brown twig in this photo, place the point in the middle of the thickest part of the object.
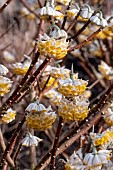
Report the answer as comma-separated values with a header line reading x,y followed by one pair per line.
x,y
10,143
65,17
2,143
5,5
73,22
55,146
90,38
1,50
80,30
17,152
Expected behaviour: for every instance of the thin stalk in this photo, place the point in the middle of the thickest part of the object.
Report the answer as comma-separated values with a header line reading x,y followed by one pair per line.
x,y
55,145
73,23
5,5
3,146
10,143
80,30
65,17
90,38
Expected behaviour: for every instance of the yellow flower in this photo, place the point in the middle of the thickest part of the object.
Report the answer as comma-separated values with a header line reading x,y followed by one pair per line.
x,y
9,116
54,45
73,12
58,15
102,139
40,121
53,48
101,35
21,68
49,11
5,85
54,96
41,118
50,82
71,88
60,73
73,110
58,8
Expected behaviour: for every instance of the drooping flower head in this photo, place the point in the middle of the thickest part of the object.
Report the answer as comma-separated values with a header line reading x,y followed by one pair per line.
x,y
39,117
21,68
9,116
71,13
30,140
49,11
99,20
75,163
86,11
55,45
5,85
97,158
71,88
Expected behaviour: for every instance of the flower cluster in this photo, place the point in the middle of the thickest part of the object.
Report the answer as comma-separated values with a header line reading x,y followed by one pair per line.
x,y
70,88
94,160
8,117
21,68
64,29
49,11
53,46
5,83
39,117
77,109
